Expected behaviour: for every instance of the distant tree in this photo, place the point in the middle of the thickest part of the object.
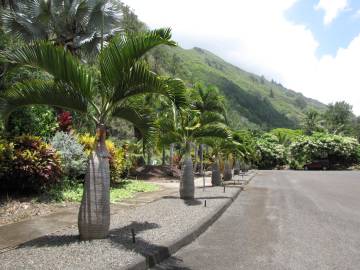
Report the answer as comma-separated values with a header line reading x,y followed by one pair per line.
x,y
176,61
130,22
272,93
300,102
338,117
356,128
311,122
262,79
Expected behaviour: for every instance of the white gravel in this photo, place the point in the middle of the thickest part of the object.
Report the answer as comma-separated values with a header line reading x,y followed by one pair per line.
x,y
155,224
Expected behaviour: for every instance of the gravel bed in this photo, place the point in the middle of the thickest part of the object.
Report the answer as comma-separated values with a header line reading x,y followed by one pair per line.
x,y
155,224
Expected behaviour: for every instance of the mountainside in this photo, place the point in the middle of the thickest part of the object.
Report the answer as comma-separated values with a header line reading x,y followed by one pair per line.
x,y
252,101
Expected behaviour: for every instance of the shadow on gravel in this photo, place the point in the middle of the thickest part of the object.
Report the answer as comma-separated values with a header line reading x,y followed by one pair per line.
x,y
119,237
197,201
173,263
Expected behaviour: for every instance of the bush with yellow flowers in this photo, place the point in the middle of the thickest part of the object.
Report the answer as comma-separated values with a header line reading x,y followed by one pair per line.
x,y
118,165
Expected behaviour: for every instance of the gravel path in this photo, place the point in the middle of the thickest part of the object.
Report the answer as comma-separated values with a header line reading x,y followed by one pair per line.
x,y
155,224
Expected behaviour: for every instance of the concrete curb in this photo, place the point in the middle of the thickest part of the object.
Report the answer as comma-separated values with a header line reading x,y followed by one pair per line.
x,y
172,247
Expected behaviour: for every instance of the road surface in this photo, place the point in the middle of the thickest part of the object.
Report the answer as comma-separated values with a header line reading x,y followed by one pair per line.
x,y
283,220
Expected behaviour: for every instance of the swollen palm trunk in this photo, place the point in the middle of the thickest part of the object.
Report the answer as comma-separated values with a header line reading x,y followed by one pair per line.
x,y
227,171
187,187
215,174
237,167
195,158
94,214
201,153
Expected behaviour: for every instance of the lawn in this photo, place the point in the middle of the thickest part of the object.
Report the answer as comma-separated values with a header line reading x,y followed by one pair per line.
x,y
123,190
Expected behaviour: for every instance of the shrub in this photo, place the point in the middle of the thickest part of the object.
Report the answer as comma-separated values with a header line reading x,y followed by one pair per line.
x,y
118,164
65,121
340,151
73,157
33,165
272,153
37,121
6,158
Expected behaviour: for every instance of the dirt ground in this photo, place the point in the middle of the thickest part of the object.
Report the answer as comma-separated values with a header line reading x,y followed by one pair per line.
x,y
22,208
151,173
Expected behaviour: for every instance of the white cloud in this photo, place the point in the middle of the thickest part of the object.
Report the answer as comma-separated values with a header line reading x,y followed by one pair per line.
x,y
332,8
256,36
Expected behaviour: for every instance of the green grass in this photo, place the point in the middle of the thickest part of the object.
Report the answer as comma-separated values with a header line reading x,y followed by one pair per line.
x,y
124,190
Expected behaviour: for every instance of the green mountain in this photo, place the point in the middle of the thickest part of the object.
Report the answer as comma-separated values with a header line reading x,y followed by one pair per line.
x,y
252,101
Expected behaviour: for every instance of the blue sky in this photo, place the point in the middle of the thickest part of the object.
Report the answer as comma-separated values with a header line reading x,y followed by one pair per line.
x,y
310,46
339,33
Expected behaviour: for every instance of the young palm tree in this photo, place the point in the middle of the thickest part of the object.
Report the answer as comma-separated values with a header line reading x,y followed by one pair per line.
x,y
223,149
73,24
190,129
101,95
211,104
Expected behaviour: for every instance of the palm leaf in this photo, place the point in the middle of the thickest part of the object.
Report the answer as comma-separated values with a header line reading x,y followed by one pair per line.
x,y
208,117
38,92
212,131
57,62
141,81
144,122
117,59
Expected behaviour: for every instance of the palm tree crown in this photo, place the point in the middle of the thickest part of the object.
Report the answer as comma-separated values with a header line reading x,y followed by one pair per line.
x,y
74,24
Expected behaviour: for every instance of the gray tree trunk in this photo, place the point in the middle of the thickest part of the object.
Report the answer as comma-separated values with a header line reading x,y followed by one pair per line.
x,y
171,154
187,187
227,171
148,156
215,173
237,167
195,157
201,153
94,213
163,155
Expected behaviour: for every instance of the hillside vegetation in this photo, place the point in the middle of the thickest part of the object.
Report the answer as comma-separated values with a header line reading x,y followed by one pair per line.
x,y
252,101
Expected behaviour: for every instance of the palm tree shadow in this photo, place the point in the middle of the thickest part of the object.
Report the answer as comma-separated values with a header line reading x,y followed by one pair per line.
x,y
192,202
118,237
197,201
173,263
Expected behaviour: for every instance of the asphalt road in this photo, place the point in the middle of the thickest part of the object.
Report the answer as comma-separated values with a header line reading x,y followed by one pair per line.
x,y
284,220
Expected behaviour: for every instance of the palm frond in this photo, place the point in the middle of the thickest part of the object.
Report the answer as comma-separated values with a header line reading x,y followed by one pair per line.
x,y
38,92
208,117
212,131
57,62
143,81
144,122
22,27
119,57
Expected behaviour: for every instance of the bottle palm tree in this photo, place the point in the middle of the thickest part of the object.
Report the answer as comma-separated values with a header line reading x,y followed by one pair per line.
x,y
189,130
225,149
74,24
110,92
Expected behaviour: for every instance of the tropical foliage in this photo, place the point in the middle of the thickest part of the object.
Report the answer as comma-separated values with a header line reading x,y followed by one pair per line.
x,y
73,157
272,153
28,164
340,151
